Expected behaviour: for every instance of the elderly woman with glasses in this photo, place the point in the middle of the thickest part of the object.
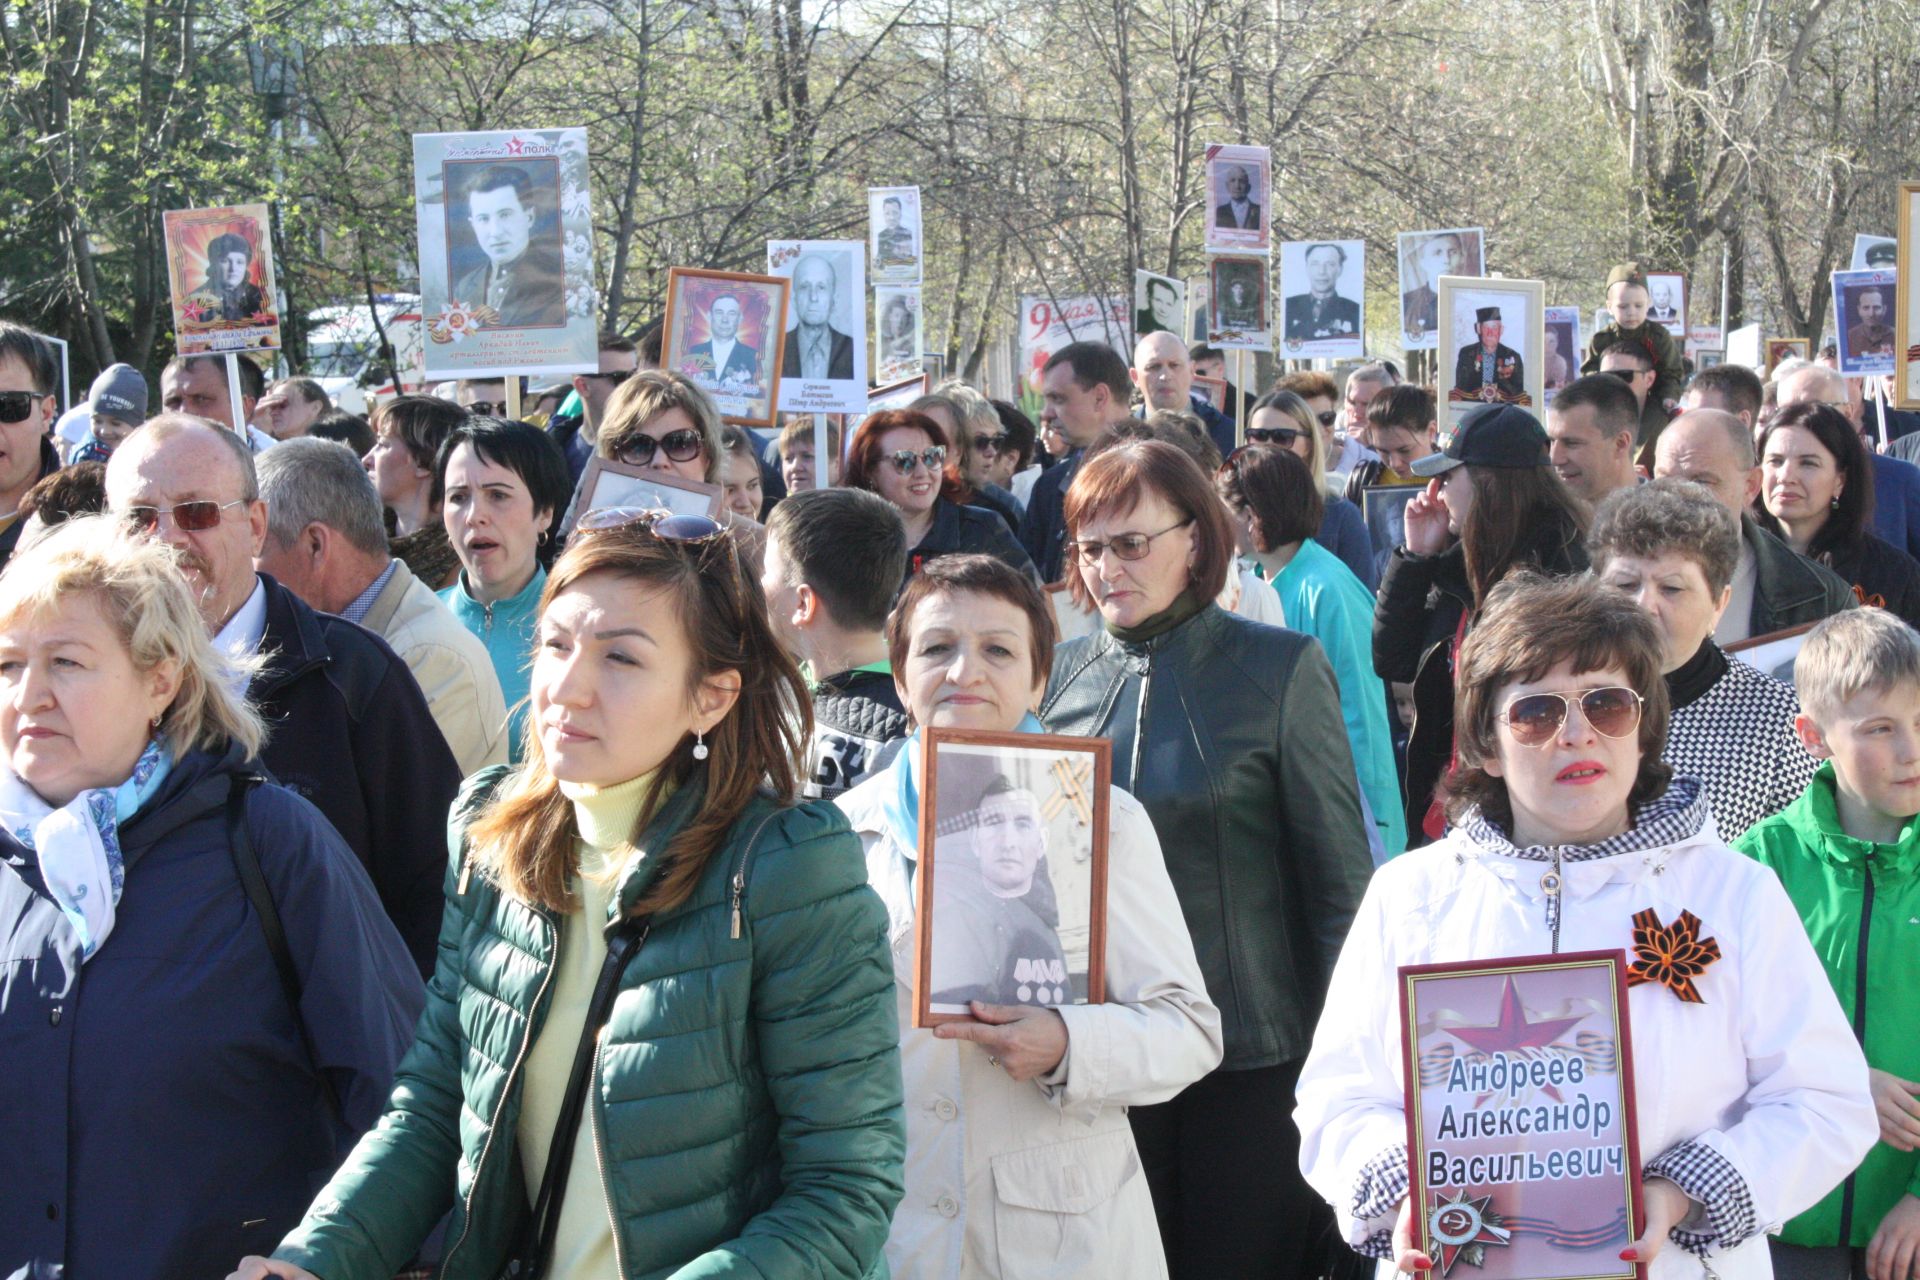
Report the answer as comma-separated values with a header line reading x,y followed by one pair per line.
x,y
902,456
1570,835
664,1011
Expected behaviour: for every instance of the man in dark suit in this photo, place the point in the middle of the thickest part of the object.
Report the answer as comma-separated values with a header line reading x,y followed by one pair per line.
x,y
728,362
1489,370
1320,312
815,349
1239,210
523,283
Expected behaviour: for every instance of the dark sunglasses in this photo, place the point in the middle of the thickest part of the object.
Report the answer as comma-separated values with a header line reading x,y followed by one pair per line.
x,y
1626,375
1282,436
1328,417
617,377
193,517
683,445
905,460
990,444
1128,546
16,405
488,408
1535,718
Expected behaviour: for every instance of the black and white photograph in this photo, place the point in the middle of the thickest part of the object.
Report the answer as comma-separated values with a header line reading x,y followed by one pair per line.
x,y
1667,301
1425,256
824,369
607,483
1242,312
1239,193
1871,253
1013,872
1492,340
893,234
1562,355
1323,285
1863,316
1159,304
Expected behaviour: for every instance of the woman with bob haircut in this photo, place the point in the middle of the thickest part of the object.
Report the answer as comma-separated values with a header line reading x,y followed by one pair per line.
x,y
997,1103
1673,548
1228,733
901,455
1570,835
167,1106
663,1014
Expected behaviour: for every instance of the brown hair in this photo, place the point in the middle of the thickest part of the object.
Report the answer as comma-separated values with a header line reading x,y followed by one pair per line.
x,y
982,575
1274,486
1117,479
1532,624
644,397
1309,384
525,840
863,455
798,429
1515,509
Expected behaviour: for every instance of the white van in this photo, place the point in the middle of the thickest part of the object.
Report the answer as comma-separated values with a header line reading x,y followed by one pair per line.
x,y
343,351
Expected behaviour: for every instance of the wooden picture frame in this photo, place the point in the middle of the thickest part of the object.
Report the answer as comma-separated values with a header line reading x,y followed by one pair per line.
x,y
982,932
1778,349
1515,1215
1214,389
607,483
1520,367
744,386
1906,324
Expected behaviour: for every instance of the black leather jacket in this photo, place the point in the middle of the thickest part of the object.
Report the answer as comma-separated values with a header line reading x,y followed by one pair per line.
x,y
1229,732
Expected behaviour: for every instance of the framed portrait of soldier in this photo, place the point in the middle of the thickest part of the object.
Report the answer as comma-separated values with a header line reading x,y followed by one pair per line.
x,y
725,330
898,333
1199,308
607,483
1872,253
1493,340
824,369
1561,356
1667,301
1425,256
1012,879
1778,349
506,253
1906,307
1242,310
1863,320
1323,286
1159,304
893,234
1239,199
220,276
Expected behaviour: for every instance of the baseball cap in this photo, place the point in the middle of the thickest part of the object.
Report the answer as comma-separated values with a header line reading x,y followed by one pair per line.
x,y
119,392
1493,435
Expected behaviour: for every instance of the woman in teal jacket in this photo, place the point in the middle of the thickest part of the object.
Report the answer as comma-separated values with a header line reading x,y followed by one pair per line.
x,y
742,1106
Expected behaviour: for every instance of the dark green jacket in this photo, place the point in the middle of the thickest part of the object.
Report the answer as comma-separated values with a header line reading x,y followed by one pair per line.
x,y
1859,901
747,1099
1229,732
1669,374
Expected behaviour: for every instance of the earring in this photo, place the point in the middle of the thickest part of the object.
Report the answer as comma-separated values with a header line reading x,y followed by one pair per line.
x,y
1835,506
699,745
155,722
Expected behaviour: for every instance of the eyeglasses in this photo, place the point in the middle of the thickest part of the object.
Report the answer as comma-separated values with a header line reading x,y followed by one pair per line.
x,y
683,445
1328,417
192,517
1626,375
1128,546
1535,718
661,523
905,460
617,377
16,405
990,444
488,408
1282,436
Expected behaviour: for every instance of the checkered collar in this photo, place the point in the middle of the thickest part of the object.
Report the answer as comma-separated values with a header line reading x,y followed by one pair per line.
x,y
1675,815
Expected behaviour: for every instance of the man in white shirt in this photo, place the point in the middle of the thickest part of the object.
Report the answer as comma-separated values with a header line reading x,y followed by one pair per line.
x,y
197,385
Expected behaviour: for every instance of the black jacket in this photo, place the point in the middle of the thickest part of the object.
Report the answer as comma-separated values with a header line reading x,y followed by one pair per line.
x,y
1882,575
855,715
1789,590
1043,532
1229,732
958,530
349,729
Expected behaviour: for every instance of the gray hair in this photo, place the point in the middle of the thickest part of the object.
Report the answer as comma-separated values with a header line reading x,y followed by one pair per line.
x,y
311,481
1850,653
1665,516
1375,371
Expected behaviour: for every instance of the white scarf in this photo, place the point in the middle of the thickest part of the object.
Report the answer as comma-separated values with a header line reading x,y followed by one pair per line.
x,y
79,843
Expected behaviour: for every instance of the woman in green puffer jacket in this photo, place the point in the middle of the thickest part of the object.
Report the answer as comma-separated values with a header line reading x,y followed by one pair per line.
x,y
742,1110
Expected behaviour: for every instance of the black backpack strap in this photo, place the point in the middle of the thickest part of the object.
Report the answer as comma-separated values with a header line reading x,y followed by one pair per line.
x,y
254,882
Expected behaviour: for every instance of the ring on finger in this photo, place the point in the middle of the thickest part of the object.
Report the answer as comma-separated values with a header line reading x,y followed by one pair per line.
x,y
992,1061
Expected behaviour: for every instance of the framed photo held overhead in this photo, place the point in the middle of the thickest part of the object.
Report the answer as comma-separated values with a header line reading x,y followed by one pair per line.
x,y
1710,357
1537,1176
1425,256
1242,306
1159,304
1562,354
1667,301
898,333
220,277
1239,199
1778,349
606,483
1492,343
1906,307
725,331
1323,287
1013,871
823,368
894,234
893,395
1862,316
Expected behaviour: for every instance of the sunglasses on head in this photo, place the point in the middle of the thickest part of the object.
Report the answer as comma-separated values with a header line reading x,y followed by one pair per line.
x,y
1128,546
1535,719
658,521
1282,436
990,444
683,445
15,406
905,460
204,513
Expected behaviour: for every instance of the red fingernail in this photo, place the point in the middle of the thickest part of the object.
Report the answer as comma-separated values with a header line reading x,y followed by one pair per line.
x,y
1629,1254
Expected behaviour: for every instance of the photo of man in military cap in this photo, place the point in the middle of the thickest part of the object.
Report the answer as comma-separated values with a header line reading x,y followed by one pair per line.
x,y
1488,369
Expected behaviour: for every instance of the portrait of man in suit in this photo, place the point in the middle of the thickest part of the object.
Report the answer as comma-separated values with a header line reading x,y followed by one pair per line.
x,y
1663,309
1239,208
524,279
1488,369
816,350
727,363
1321,312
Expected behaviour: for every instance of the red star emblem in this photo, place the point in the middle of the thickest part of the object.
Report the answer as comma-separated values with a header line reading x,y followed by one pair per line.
x,y
514,145
1464,1227
1513,1031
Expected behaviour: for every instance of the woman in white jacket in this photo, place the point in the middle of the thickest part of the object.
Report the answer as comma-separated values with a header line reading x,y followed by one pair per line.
x,y
1752,1098
1020,1161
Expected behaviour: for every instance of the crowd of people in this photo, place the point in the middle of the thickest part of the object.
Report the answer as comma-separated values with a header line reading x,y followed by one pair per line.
x,y
411,867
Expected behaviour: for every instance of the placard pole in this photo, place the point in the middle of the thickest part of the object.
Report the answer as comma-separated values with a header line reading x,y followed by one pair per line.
x,y
512,382
1880,409
233,395
822,455
1240,397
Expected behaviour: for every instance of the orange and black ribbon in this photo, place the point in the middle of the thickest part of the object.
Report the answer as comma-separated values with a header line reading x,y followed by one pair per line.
x,y
1671,955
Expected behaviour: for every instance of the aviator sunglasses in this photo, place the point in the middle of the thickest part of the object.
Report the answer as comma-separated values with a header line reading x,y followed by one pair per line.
x,y
1535,719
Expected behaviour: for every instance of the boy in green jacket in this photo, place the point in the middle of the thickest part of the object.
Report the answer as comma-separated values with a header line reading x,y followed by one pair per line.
x,y
1627,303
1848,852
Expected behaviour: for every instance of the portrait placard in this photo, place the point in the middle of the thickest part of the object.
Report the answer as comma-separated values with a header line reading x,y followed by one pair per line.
x,y
1159,304
824,368
1242,311
220,276
607,483
1013,871
1562,353
898,395
1239,190
1048,324
1773,654
1492,335
1779,349
723,330
1707,337
506,253
1870,252
1214,389
893,234
1425,256
1199,299
1906,307
1384,507
1862,317
1709,357
1324,287
898,333
1667,301
1521,1132
1743,346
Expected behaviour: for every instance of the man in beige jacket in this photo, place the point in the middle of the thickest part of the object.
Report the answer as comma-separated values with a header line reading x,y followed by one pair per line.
x,y
327,544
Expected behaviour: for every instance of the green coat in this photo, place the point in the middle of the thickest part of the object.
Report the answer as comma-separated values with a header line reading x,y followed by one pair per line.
x,y
1835,880
746,1104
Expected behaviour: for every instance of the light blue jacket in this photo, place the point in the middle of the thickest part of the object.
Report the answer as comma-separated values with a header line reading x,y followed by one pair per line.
x,y
507,627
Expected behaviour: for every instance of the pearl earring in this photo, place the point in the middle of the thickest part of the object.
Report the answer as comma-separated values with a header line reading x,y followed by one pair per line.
x,y
699,745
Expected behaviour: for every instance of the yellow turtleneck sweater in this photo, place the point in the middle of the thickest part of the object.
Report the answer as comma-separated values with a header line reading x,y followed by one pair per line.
x,y
605,818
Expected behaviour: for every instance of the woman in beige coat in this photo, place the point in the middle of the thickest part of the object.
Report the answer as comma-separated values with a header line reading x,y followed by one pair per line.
x,y
1020,1161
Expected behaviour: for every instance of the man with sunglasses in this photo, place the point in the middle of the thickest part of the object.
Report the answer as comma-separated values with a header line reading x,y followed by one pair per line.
x,y
351,730
27,372
1164,375
577,432
486,397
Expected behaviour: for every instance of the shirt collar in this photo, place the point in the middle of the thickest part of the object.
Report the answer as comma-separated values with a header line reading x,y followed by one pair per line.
x,y
241,637
1676,815
358,608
